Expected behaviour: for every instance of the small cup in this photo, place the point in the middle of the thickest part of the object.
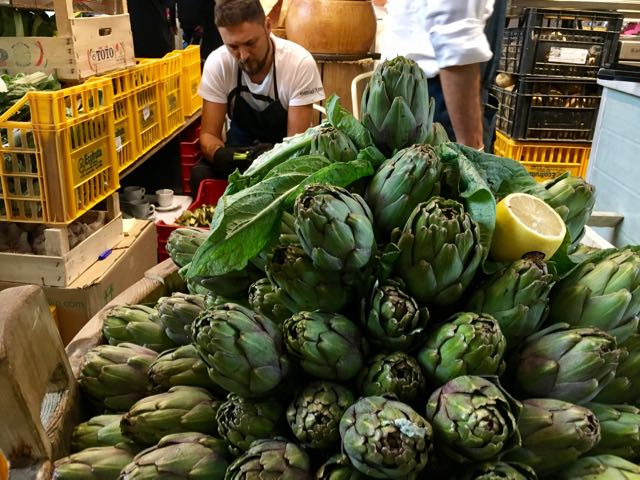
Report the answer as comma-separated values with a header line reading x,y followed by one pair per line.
x,y
164,197
133,193
141,208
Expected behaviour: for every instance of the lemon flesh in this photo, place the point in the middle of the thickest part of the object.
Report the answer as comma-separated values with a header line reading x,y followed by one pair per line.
x,y
525,224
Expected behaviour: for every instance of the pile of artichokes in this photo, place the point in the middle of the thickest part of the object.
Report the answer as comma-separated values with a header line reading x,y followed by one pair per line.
x,y
373,341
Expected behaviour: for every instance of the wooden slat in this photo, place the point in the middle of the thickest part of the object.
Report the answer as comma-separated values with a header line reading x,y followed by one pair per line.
x,y
605,219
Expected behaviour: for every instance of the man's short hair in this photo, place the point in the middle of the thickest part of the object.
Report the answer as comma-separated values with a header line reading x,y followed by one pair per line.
x,y
230,13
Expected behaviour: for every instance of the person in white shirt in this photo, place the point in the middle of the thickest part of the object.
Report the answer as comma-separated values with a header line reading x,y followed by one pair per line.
x,y
446,38
266,85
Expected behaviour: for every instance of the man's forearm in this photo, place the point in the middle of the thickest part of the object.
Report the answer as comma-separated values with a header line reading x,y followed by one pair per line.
x,y
461,88
209,144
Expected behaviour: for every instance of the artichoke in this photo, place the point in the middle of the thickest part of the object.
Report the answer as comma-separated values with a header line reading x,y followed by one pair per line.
x,y
180,366
568,364
232,284
338,467
599,467
241,421
183,243
315,413
554,434
467,344
334,228
411,176
397,373
392,319
271,459
620,430
385,438
100,431
181,409
573,198
115,377
625,387
517,297
395,105
439,252
329,346
333,144
177,313
474,419
499,471
243,350
97,463
266,299
135,324
188,456
303,286
604,293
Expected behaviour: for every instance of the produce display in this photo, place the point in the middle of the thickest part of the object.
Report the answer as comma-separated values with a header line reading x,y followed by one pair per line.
x,y
350,317
200,217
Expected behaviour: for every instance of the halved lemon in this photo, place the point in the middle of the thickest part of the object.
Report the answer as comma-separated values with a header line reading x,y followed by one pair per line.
x,y
525,224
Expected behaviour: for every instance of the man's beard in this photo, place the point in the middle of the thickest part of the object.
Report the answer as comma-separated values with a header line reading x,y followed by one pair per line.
x,y
253,67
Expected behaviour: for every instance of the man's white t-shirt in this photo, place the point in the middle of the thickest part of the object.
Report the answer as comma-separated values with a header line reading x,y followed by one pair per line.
x,y
299,81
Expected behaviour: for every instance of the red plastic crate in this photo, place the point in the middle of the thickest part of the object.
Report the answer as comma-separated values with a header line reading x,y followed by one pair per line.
x,y
186,164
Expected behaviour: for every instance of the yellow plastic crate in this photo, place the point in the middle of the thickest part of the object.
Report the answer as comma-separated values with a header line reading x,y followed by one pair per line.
x,y
61,162
545,160
191,74
145,78
170,93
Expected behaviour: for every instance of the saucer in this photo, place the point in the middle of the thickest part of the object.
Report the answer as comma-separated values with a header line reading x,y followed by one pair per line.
x,y
167,209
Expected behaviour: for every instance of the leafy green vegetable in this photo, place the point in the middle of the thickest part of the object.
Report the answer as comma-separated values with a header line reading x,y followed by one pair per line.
x,y
14,88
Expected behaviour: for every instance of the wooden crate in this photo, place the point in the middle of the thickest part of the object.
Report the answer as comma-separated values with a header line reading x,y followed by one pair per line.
x,y
83,47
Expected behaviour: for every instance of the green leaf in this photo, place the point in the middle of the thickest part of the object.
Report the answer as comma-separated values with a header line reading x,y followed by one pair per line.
x,y
304,164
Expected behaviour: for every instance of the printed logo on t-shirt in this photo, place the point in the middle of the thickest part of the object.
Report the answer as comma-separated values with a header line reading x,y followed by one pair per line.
x,y
311,91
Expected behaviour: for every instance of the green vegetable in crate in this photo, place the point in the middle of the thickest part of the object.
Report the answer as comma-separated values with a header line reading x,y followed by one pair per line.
x,y
599,467
625,387
333,144
573,198
338,467
266,299
517,297
328,346
115,377
439,252
568,364
176,313
620,430
100,431
16,22
554,434
315,413
232,284
12,90
603,293
271,459
241,421
396,373
392,320
180,456
200,217
411,176
181,409
135,324
474,419
303,286
243,349
467,344
183,243
385,438
181,366
43,25
334,228
499,471
98,463
395,106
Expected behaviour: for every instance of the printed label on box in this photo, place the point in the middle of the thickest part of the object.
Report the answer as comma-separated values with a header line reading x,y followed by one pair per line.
x,y
90,163
577,56
146,113
119,144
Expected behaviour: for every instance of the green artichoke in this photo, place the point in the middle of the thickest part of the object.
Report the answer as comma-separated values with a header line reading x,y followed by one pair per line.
x,y
115,377
573,198
271,459
244,351
568,364
392,320
334,227
135,324
625,387
211,300
232,284
554,434
411,176
395,106
97,463
474,419
266,299
176,313
499,471
599,467
315,412
467,344
603,294
180,366
303,286
385,438
241,421
620,430
333,144
396,373
338,467
329,346
517,297
100,431
183,243
181,409
439,252
188,456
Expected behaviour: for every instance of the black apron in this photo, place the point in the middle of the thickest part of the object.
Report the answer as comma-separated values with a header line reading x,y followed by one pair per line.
x,y
249,125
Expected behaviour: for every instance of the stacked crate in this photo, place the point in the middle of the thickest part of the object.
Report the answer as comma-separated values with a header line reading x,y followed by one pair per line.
x,y
547,114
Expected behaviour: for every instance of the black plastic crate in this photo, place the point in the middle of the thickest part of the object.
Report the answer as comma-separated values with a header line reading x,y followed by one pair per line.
x,y
549,110
560,43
